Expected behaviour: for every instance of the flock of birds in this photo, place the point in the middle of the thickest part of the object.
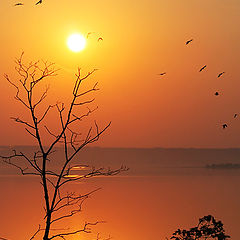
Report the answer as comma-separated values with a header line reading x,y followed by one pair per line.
x,y
218,76
163,73
90,33
21,4
40,2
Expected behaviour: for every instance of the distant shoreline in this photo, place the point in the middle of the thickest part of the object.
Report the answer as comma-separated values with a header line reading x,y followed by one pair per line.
x,y
223,166
133,148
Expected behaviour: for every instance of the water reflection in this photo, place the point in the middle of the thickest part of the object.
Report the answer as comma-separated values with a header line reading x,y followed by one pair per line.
x,y
80,167
73,176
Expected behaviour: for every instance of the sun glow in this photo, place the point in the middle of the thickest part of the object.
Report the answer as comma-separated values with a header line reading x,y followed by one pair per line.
x,y
76,42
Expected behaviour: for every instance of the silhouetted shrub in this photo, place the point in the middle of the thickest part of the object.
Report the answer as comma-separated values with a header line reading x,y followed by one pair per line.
x,y
207,228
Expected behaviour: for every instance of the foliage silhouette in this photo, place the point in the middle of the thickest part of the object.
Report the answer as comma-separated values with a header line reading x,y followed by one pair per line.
x,y
207,228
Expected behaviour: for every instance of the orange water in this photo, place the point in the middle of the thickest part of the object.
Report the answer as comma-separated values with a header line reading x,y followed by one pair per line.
x,y
140,207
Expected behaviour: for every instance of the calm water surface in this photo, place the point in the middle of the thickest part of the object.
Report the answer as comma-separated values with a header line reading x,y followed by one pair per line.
x,y
143,208
149,202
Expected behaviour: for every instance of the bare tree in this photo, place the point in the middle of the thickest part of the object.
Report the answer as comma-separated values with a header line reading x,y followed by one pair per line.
x,y
59,204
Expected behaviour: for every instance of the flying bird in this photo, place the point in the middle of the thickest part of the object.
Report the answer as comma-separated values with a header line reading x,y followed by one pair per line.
x,y
220,74
216,93
39,2
187,42
224,126
89,33
18,4
100,39
235,115
161,74
203,68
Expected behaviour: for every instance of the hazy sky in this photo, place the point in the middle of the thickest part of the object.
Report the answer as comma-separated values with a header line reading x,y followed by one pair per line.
x,y
141,39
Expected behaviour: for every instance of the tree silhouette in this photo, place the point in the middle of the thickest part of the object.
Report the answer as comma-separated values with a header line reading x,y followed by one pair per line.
x,y
207,228
59,204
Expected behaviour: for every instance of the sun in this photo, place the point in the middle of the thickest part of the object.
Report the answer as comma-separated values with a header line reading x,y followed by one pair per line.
x,y
76,42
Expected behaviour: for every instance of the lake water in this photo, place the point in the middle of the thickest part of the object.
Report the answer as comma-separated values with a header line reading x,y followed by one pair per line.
x,y
164,190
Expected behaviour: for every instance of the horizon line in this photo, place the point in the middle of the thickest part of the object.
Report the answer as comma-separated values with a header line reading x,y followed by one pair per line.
x,y
131,147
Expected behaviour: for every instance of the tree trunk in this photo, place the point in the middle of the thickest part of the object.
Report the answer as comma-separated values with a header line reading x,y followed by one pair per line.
x,y
47,228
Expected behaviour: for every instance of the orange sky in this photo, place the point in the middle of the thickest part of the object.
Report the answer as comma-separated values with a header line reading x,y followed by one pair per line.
x,y
141,39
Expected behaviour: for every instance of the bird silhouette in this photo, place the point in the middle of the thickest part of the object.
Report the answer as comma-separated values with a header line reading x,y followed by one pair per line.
x,y
220,74
203,68
216,93
18,4
187,42
224,126
161,74
100,39
235,115
39,2
89,33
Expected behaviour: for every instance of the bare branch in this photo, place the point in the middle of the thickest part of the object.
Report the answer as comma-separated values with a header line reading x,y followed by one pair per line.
x,y
52,134
38,230
18,120
86,228
17,92
45,113
82,116
88,91
94,173
7,159
30,133
42,229
22,170
59,205
43,96
71,199
82,103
